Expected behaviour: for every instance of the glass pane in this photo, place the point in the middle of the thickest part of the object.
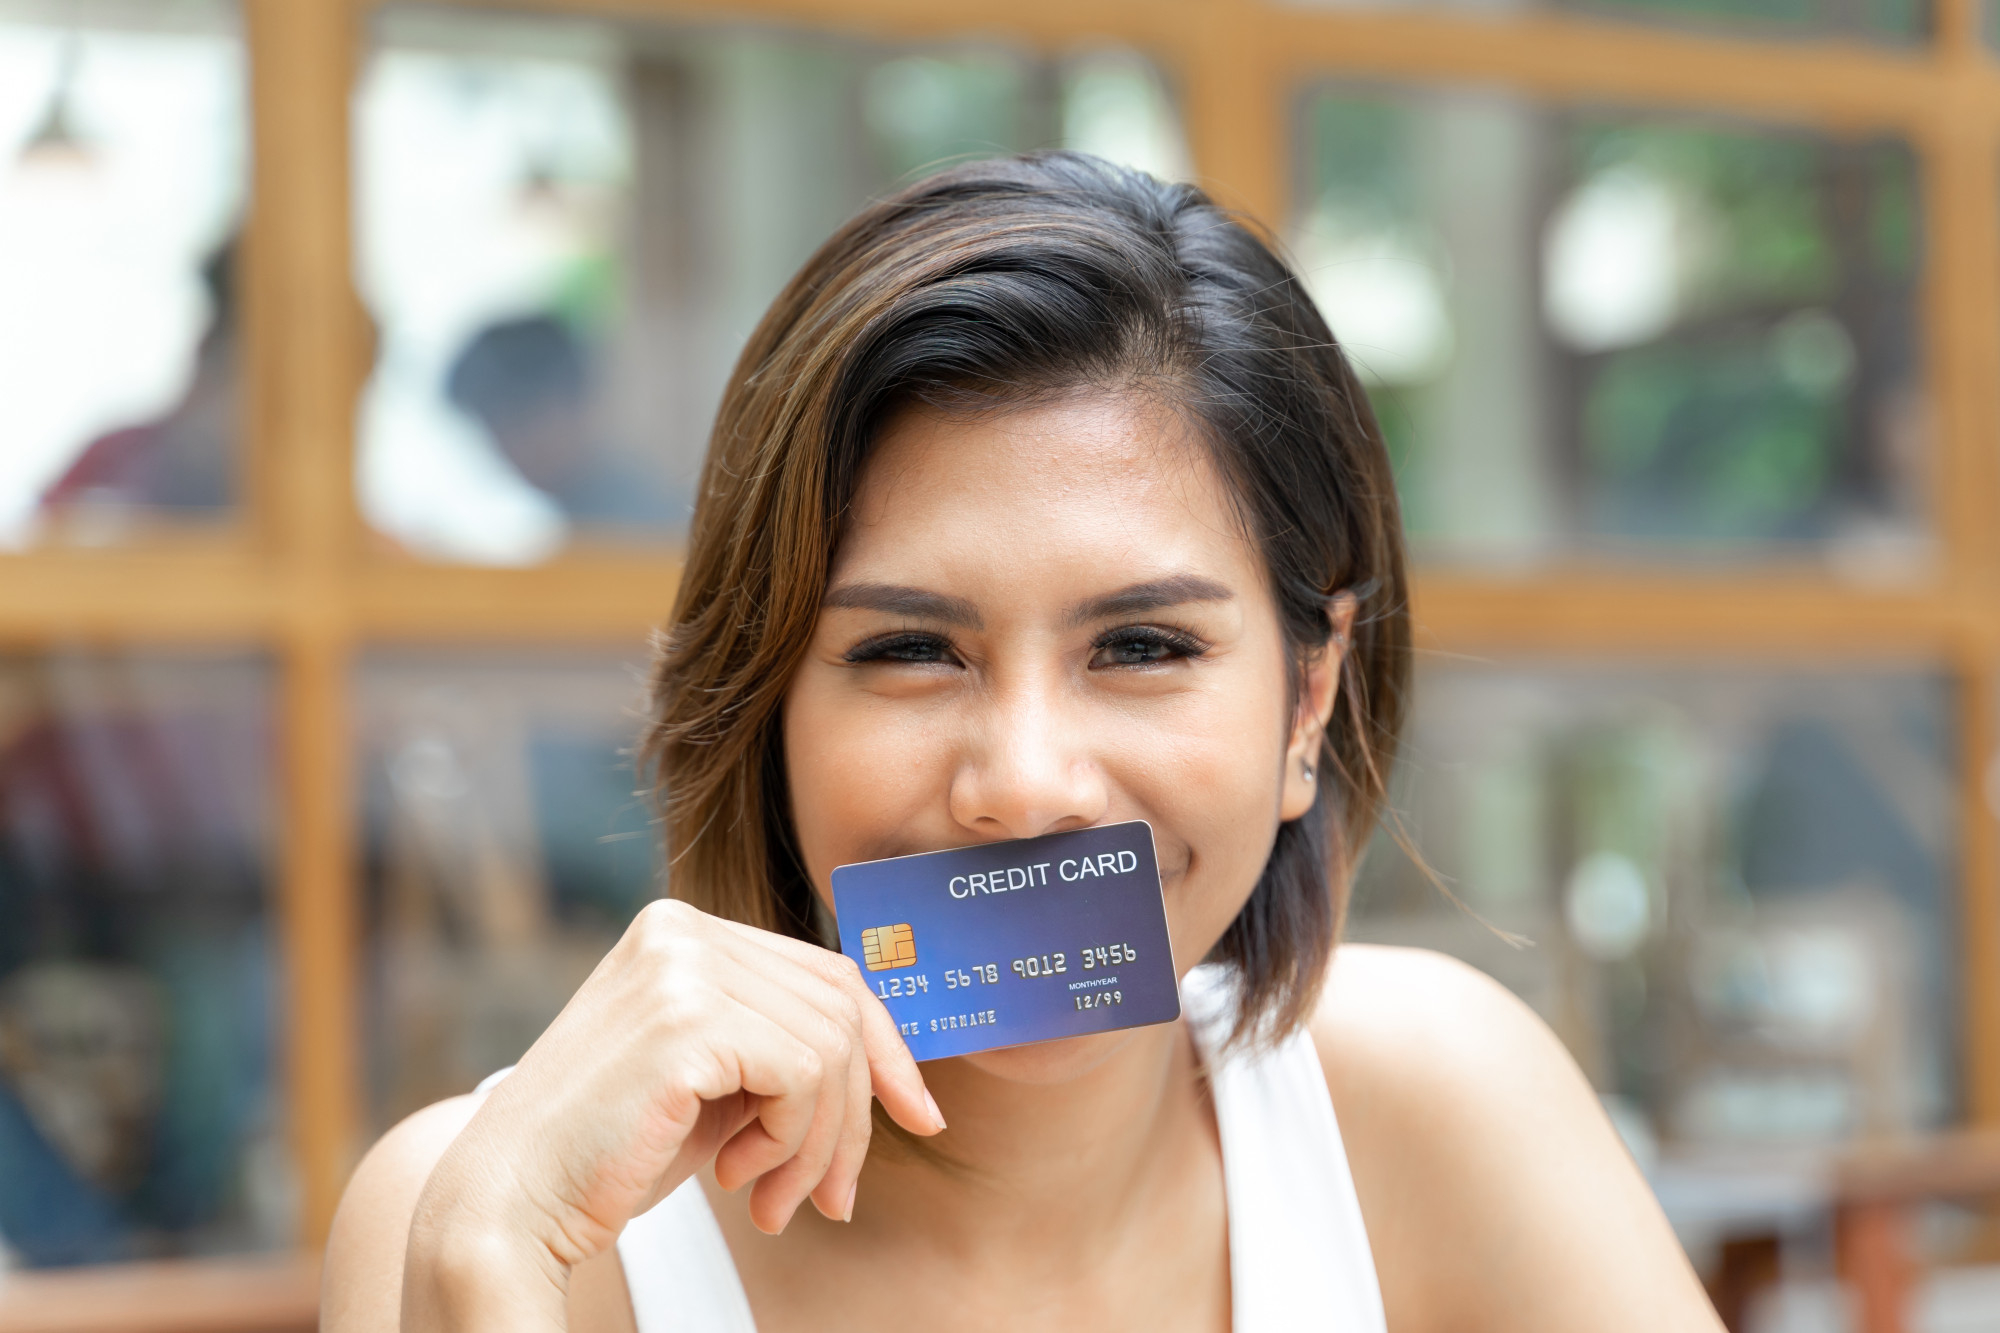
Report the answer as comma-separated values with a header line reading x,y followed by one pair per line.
x,y
1898,22
1893,22
139,1113
507,848
567,230
1622,334
122,168
1732,893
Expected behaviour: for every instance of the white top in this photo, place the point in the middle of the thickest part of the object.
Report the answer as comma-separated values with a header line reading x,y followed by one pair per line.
x,y
1298,1253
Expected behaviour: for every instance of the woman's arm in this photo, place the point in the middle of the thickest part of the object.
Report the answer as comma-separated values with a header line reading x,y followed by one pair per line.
x,y
363,1277
696,1039
1497,1195
362,1284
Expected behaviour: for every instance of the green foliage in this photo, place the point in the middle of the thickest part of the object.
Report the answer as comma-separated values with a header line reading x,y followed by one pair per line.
x,y
1358,150
1759,196
1708,439
1892,20
1731,426
1772,13
1894,232
927,112
1392,406
588,292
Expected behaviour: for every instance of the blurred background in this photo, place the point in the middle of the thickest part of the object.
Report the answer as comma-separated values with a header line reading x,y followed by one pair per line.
x,y
355,365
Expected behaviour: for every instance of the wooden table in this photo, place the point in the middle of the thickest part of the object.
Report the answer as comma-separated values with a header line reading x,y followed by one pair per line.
x,y
1871,1190
242,1295
1875,1189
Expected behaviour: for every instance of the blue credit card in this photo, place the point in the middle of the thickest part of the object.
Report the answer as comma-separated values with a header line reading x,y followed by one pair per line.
x,y
1013,942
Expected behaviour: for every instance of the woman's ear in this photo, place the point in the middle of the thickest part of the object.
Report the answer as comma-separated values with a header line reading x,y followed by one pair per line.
x,y
1319,692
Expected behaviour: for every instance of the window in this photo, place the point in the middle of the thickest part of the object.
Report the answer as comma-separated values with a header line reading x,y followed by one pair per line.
x,y
568,229
1630,335
1729,890
140,1114
1683,327
506,848
122,176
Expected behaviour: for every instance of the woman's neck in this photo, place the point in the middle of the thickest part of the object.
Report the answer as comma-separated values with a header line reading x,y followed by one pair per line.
x,y
1098,1198
1045,1164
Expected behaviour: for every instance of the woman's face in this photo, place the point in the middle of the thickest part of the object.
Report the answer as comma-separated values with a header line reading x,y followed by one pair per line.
x,y
1040,620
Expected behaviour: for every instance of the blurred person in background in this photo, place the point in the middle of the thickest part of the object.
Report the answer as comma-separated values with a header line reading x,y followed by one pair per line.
x,y
135,1001
182,461
526,381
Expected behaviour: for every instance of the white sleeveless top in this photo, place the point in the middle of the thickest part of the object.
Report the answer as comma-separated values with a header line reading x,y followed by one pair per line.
x,y
1298,1253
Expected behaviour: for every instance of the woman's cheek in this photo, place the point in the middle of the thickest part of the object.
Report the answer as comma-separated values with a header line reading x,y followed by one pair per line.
x,y
1213,802
827,758
858,782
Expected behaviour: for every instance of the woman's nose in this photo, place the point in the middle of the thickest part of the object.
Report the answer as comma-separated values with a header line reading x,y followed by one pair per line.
x,y
1028,770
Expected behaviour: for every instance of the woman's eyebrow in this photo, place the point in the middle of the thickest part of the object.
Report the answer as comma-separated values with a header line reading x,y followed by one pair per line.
x,y
1150,596
899,600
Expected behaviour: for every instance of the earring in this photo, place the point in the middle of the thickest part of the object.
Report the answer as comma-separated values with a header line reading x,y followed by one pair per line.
x,y
1305,765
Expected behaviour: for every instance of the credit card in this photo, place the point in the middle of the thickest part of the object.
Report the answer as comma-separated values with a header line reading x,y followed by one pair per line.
x,y
1013,942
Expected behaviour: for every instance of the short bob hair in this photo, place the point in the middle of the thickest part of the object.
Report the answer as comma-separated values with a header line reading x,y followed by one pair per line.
x,y
1002,282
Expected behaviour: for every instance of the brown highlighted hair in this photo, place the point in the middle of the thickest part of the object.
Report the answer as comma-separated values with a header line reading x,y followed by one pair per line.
x,y
990,284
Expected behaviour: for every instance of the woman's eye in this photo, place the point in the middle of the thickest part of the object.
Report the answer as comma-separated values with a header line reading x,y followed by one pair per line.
x,y
1143,647
916,648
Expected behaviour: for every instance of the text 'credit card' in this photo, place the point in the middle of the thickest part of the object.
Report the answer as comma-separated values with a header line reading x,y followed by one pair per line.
x,y
1013,942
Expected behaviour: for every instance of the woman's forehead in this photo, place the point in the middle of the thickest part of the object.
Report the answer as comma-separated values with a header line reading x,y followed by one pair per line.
x,y
1099,474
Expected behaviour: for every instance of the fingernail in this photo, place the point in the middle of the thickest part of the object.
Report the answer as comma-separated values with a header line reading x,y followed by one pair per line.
x,y
848,1215
931,1102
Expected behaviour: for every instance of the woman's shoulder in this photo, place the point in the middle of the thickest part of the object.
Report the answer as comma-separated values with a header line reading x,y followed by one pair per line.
x,y
1495,1192
1439,1072
1394,1023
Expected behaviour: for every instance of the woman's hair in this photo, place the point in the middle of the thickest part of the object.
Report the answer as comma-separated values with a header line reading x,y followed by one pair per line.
x,y
989,285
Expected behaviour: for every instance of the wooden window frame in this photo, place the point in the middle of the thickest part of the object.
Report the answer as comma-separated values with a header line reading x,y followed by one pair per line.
x,y
301,580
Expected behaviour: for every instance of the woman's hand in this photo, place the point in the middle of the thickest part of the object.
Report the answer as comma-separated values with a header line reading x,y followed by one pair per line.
x,y
695,1038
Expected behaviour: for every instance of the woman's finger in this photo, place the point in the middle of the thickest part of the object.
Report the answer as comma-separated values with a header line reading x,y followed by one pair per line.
x,y
834,1195
896,1081
745,1050
787,1152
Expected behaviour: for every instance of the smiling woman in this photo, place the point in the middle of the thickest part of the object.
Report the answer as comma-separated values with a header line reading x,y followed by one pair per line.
x,y
1041,501
1150,320
1183,671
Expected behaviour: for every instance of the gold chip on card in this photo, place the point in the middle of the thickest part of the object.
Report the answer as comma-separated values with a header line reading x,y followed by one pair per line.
x,y
885,947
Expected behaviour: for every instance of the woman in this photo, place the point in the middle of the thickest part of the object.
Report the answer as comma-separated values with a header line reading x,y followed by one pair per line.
x,y
1041,499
